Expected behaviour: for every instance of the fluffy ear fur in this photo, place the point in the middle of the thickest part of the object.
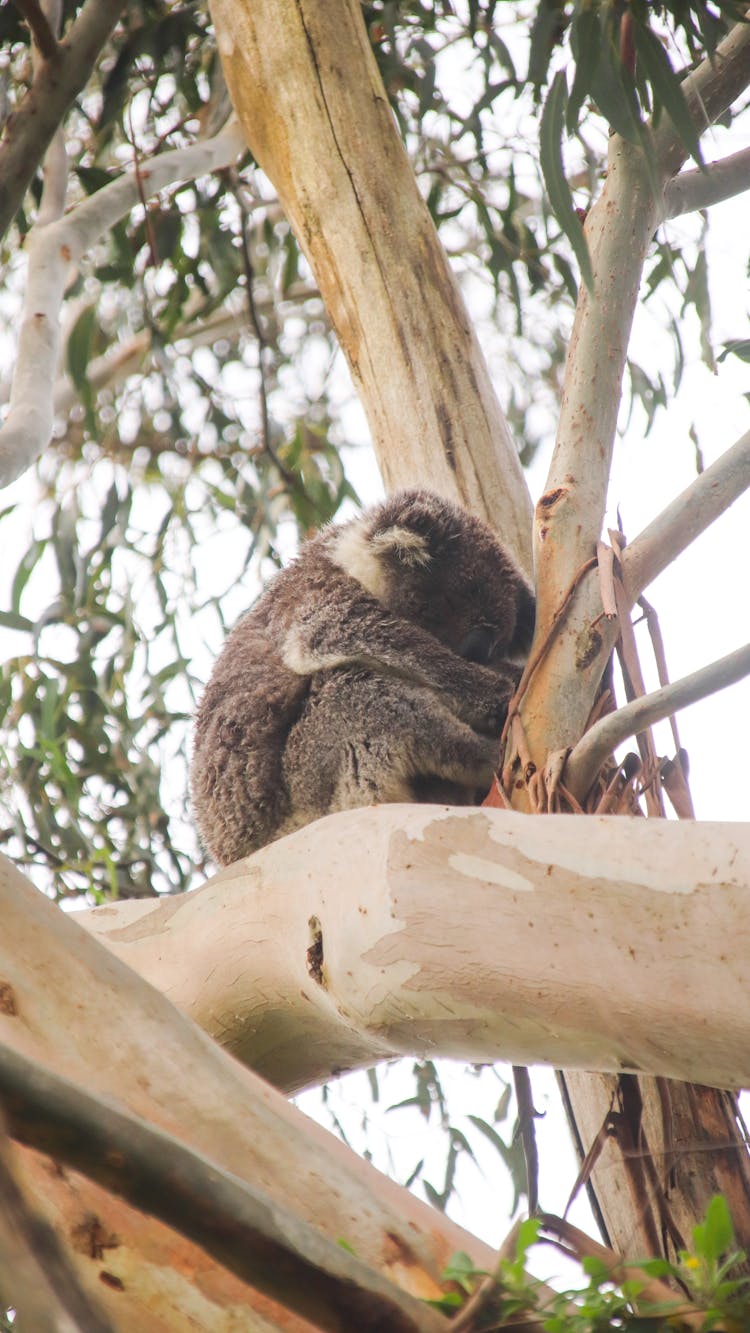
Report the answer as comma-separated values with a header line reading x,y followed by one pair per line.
x,y
410,547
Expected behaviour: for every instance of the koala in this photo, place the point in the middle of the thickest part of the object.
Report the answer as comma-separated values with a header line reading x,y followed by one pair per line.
x,y
377,667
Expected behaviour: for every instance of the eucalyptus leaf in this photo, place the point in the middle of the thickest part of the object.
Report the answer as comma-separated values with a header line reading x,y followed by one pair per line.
x,y
561,199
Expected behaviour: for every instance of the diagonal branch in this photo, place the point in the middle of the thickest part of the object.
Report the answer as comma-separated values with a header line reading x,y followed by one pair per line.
x,y
692,190
710,90
254,1236
56,84
53,250
597,744
36,1273
703,501
41,31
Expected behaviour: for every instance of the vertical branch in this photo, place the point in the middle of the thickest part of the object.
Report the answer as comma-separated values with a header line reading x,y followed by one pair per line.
x,y
569,517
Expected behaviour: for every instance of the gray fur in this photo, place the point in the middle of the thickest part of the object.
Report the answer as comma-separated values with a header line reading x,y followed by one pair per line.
x,y
377,667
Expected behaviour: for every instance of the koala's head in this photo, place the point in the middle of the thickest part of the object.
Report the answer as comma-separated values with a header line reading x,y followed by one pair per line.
x,y
437,566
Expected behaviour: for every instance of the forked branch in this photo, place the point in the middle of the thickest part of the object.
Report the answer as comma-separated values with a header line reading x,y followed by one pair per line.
x,y
56,83
44,37
710,90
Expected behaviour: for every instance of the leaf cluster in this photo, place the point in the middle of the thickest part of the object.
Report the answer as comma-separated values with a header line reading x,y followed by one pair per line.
x,y
708,1293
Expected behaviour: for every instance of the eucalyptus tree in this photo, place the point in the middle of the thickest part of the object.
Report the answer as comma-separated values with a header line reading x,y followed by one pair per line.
x,y
188,288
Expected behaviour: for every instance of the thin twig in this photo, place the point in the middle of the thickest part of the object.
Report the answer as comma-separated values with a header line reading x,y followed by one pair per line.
x,y
591,751
544,646
710,90
526,1117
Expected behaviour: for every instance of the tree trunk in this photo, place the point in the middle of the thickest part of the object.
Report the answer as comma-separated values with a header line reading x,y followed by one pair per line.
x,y
311,102
669,1148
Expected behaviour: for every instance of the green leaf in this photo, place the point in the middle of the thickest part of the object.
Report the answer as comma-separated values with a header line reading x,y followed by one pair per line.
x,y
528,1233
612,86
26,566
561,200
739,347
462,1270
715,1235
585,40
666,86
546,31
93,178
12,620
78,351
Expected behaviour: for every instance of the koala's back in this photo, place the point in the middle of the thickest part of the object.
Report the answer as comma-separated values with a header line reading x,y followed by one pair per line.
x,y
252,701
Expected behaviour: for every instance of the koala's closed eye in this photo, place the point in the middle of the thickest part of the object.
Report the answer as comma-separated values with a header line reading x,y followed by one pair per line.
x,y
377,667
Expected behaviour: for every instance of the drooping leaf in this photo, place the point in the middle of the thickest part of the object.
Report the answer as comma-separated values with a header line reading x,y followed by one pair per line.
x,y
550,152
612,86
666,86
585,40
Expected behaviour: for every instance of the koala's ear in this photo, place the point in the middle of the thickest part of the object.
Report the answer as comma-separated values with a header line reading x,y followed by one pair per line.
x,y
406,545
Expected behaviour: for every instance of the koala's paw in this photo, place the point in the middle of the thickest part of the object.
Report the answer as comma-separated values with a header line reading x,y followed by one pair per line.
x,y
486,707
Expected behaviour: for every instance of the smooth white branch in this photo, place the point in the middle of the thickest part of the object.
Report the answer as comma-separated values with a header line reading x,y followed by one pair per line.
x,y
477,934
595,745
721,180
54,248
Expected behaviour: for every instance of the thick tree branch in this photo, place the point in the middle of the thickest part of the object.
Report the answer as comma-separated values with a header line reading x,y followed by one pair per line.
x,y
721,180
609,958
694,510
247,1231
36,1276
598,743
57,82
308,92
53,251
56,984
